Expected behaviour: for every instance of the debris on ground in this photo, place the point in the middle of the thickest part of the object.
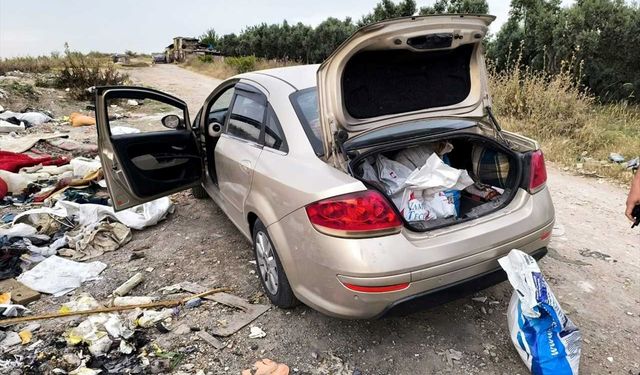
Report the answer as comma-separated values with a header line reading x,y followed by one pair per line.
x,y
128,285
245,314
58,276
257,333
546,339
267,367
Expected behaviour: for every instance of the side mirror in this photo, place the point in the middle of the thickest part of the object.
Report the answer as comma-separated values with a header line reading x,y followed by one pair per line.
x,y
214,130
171,121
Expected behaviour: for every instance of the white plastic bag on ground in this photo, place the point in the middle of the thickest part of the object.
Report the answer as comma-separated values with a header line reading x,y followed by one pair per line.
x,y
59,276
83,166
137,217
546,339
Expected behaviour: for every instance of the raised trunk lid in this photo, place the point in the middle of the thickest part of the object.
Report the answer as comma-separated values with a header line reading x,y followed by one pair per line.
x,y
401,70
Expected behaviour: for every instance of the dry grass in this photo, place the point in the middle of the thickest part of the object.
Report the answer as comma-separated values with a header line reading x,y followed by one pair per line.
x,y
574,129
232,65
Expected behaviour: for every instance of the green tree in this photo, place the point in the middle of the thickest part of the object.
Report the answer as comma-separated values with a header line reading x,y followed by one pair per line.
x,y
210,38
456,6
388,9
597,39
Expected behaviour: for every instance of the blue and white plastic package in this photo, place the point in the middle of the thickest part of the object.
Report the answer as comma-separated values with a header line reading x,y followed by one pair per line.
x,y
546,339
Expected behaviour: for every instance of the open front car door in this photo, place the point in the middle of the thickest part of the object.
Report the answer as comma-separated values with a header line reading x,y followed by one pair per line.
x,y
146,143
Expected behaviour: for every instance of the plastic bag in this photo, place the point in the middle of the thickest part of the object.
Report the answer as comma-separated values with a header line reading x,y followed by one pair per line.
x,y
439,206
546,339
392,174
435,176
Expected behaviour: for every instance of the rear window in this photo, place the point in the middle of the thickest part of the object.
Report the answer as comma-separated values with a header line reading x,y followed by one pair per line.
x,y
305,103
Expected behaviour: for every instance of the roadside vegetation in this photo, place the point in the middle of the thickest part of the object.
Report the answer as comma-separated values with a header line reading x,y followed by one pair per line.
x,y
72,71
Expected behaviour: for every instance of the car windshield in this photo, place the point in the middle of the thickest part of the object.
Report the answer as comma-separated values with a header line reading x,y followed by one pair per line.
x,y
305,103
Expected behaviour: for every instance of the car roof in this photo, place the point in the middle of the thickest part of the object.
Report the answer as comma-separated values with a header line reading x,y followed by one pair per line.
x,y
298,76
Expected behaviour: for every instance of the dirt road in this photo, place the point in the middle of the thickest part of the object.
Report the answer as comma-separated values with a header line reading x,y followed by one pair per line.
x,y
593,267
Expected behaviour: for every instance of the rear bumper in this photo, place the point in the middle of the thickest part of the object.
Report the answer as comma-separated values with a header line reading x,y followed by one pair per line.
x,y
318,265
452,292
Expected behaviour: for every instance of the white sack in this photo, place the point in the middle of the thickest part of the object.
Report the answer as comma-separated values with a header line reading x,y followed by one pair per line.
x,y
137,217
59,276
435,176
392,174
88,214
418,208
545,338
83,166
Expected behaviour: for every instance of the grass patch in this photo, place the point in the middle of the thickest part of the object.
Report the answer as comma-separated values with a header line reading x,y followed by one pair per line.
x,y
574,129
40,64
231,65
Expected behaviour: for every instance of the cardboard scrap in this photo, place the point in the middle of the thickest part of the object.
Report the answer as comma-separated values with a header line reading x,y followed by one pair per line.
x,y
247,314
20,293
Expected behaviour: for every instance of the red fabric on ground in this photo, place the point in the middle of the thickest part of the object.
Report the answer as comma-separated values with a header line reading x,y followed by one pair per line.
x,y
12,162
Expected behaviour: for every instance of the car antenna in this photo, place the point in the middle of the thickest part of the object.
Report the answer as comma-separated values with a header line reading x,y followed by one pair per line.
x,y
497,126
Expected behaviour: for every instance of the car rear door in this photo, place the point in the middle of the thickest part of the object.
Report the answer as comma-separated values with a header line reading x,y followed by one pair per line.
x,y
143,160
238,149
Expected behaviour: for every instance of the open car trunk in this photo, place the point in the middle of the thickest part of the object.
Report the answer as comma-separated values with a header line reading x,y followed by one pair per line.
x,y
443,181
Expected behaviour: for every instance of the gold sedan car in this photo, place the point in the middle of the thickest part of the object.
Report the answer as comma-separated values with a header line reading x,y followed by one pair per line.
x,y
377,178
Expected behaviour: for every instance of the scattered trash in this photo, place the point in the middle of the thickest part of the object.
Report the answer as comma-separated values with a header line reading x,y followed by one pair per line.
x,y
25,336
193,303
616,158
59,276
145,318
11,339
25,143
20,293
30,118
78,119
132,102
94,240
257,333
246,313
267,367
546,339
211,340
132,300
128,285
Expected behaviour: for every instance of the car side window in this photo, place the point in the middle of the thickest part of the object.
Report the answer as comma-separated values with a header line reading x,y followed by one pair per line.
x,y
246,117
220,107
273,134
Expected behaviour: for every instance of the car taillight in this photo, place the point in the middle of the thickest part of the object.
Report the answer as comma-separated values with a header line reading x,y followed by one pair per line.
x,y
362,214
537,172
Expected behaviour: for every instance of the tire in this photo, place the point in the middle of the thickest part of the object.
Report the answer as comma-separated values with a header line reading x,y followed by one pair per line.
x,y
198,192
267,265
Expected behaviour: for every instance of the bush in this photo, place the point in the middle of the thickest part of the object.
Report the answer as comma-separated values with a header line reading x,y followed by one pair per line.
x,y
80,72
242,64
40,64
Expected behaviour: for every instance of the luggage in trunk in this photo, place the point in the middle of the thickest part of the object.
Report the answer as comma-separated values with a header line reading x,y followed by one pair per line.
x,y
444,182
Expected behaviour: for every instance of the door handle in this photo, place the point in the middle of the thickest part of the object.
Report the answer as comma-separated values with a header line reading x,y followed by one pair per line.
x,y
245,166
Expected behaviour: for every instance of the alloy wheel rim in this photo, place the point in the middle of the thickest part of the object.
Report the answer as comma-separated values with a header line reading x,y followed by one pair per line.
x,y
267,262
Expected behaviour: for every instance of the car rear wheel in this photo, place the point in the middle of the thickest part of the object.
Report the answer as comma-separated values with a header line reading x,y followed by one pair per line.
x,y
270,271
198,192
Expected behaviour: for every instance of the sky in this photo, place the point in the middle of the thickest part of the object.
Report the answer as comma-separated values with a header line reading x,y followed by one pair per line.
x,y
37,27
